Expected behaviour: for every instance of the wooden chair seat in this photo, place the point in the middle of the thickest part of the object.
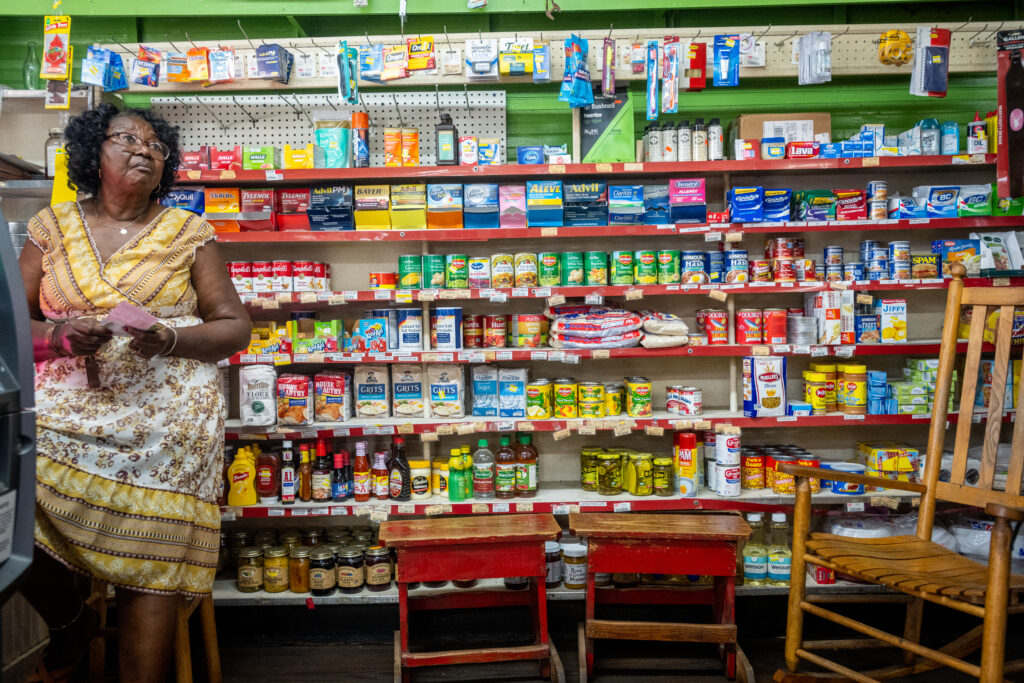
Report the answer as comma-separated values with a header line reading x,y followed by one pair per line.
x,y
907,563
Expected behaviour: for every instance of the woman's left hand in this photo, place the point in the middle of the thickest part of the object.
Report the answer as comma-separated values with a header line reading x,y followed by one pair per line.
x,y
149,343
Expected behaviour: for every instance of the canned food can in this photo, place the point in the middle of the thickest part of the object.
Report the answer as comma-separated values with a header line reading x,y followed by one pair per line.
x,y
262,276
410,329
878,209
571,268
526,269
760,270
752,471
899,251
736,265
878,189
672,402
692,268
784,270
503,270
446,328
878,254
473,331
639,397
281,280
876,272
592,410
591,392
833,273
383,280
810,461
774,325
456,271
321,276
595,267
833,256
565,398
480,273
538,399
434,271
528,330
710,468
749,326
798,247
410,271
241,275
806,269
727,480
714,266
727,449
782,248
302,276
621,268
899,270
645,267
853,271
691,401
716,325
549,273
781,481
495,331
614,399
668,267
698,339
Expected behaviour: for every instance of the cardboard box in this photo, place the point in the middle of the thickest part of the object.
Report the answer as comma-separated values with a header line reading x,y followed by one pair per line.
x,y
512,206
793,127
544,203
625,204
330,207
372,204
444,206
687,200
481,208
586,203
656,207
408,207
893,320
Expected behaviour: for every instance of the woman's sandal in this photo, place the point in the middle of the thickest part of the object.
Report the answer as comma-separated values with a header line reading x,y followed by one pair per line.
x,y
60,667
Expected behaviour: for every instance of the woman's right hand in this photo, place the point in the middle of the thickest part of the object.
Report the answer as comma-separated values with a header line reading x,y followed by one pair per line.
x,y
82,336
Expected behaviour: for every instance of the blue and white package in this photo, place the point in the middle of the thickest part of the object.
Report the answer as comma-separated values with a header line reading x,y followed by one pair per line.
x,y
906,207
533,154
625,204
777,204
485,390
541,63
939,201
656,205
746,204
186,197
652,80
371,58
727,61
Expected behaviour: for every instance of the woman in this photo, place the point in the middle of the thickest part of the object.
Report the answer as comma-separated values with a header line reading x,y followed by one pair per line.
x,y
130,428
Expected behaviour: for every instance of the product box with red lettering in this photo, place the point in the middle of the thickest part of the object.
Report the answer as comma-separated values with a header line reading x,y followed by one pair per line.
x,y
686,200
746,149
195,160
801,150
821,575
292,204
226,159
258,201
851,205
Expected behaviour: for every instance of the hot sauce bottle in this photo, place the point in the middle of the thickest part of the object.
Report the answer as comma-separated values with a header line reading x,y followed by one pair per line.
x,y
361,474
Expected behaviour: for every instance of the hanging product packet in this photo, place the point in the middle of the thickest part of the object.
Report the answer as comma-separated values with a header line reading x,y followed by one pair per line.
x,y
815,58
104,68
176,67
395,64
670,75
56,41
608,68
370,59
637,57
348,73
58,93
146,69
421,54
222,65
930,72
576,89
198,64
652,80
726,53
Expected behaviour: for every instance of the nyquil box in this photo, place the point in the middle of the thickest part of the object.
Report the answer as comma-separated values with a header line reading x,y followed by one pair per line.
x,y
585,204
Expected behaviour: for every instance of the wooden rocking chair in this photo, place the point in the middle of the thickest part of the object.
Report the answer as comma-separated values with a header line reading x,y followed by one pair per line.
x,y
914,565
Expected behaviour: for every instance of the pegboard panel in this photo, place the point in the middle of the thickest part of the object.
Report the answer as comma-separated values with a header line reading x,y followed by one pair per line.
x,y
286,119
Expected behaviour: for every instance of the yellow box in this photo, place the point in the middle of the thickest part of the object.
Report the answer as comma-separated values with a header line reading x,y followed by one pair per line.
x,y
372,204
298,157
888,456
408,207
222,200
892,320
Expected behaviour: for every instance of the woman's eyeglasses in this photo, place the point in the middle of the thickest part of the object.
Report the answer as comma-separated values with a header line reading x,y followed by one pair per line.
x,y
132,143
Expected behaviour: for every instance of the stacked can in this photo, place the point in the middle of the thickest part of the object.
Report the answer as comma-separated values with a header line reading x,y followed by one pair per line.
x,y
899,260
263,277
801,329
775,455
786,261
683,400
727,465
833,263
878,200
752,469
715,324
591,400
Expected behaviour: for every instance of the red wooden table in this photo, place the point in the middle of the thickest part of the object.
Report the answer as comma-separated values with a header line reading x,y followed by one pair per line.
x,y
479,547
662,544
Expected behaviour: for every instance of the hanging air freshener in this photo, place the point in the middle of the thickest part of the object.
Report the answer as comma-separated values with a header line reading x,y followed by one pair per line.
x,y
56,41
608,70
670,75
348,73
58,92
652,80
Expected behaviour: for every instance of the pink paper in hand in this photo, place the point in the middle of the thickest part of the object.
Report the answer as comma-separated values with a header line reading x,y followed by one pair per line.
x,y
126,315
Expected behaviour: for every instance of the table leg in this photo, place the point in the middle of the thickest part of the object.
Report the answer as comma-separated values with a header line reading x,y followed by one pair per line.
x,y
591,601
403,621
725,613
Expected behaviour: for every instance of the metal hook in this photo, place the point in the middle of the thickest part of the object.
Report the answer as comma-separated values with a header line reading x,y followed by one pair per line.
x,y
842,34
437,98
447,39
983,29
246,36
398,110
958,28
190,40
297,49
183,103
368,41
223,125
465,89
480,35
124,47
783,41
611,27
994,33
330,103
302,111
175,47
244,111
325,48
365,110
763,33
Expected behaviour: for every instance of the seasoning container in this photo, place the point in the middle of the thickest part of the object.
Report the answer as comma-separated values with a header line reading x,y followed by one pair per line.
x,y
663,476
439,479
298,569
588,468
830,371
275,569
351,575
609,474
574,566
250,569
419,473
552,564
322,577
378,569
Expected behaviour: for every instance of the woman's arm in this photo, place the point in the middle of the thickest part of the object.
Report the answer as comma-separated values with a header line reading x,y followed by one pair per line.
x,y
226,327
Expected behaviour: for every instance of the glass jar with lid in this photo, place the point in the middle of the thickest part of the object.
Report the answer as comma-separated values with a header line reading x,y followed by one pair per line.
x,y
588,468
312,537
322,577
574,566
50,149
609,474
290,539
377,564
298,569
339,536
552,564
351,575
663,476
239,539
250,569
275,569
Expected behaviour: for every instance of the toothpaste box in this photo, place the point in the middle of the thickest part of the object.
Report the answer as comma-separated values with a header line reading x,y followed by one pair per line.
x,y
656,207
585,203
686,200
851,205
746,204
777,204
330,207
544,203
408,209
481,206
444,206
372,204
892,319
512,206
625,204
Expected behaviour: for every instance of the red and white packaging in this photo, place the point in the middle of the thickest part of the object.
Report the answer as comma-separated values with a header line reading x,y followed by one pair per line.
x,y
749,326
294,400
773,325
292,200
303,276
281,279
801,150
473,331
851,205
333,396
321,276
257,201
195,161
716,325
262,276
241,275
821,575
834,312
746,149
226,159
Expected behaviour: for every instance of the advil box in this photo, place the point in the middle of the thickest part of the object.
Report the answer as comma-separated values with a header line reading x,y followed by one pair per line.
x,y
585,203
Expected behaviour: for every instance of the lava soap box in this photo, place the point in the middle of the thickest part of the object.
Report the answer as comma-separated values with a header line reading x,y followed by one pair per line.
x,y
586,203
687,201
372,203
544,203
481,205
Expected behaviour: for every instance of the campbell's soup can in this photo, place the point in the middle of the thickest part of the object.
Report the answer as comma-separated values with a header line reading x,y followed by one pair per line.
x,y
262,276
241,275
784,270
495,331
281,280
774,325
760,270
716,325
303,277
749,326
727,449
727,480
321,276
473,331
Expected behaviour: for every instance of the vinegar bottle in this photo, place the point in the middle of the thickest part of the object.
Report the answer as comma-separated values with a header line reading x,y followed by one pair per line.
x,y
483,471
361,474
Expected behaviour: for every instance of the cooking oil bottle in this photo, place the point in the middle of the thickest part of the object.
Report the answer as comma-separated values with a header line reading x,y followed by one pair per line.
x,y
755,553
780,557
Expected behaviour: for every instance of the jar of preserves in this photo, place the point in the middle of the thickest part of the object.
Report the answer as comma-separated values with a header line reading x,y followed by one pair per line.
x,y
588,468
517,583
322,578
339,536
362,537
275,569
663,475
239,540
552,564
378,568
625,579
250,569
290,539
298,569
312,537
351,575
609,474
574,566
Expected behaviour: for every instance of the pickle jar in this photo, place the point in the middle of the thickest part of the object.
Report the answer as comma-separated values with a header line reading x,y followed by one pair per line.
x,y
351,575
322,578
378,568
609,474
298,569
290,539
250,569
643,474
663,475
588,468
275,569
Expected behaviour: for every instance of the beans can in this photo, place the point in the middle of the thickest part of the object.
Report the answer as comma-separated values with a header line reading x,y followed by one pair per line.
x,y
503,270
810,461
410,271
538,399
639,397
784,270
645,267
760,270
716,325
446,328
614,399
749,326
480,273
774,326
495,331
433,271
526,269
781,481
736,265
727,480
548,271
668,267
262,276
456,271
752,471
241,275
692,265
281,278
571,268
621,268
833,256
473,331
410,329
595,268
565,397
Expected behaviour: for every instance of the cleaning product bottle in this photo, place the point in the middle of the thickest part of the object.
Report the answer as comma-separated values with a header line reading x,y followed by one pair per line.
x,y
456,477
755,553
446,142
242,474
780,557
684,140
976,136
669,142
716,146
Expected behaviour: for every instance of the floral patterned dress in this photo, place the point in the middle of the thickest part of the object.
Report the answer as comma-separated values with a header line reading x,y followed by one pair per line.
x,y
128,473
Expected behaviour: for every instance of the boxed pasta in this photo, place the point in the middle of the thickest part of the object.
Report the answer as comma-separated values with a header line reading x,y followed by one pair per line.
x,y
447,390
294,400
407,390
372,391
333,396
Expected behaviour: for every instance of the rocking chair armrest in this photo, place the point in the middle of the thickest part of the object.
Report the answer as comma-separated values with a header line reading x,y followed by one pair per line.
x,y
818,473
1005,511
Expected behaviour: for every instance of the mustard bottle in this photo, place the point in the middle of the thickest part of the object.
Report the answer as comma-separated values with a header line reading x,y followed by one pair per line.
x,y
242,478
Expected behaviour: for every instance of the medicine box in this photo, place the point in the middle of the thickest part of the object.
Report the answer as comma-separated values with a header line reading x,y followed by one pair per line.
x,y
585,204
408,207
372,204
544,203
512,206
259,158
481,206
625,204
656,208
444,206
686,200
330,207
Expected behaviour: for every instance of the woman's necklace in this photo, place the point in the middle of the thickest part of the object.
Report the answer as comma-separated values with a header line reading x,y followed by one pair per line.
x,y
124,228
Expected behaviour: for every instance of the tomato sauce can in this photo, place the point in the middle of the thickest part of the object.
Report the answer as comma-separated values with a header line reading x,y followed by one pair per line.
x,y
473,331
716,325
303,277
774,325
281,280
495,331
241,275
749,326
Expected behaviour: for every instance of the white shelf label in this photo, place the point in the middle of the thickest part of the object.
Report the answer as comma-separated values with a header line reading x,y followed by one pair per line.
x,y
542,292
571,358
499,507
594,299
781,348
855,507
786,418
712,237
818,351
538,355
800,349
621,507
854,418
300,512
505,426
592,504
560,509
502,355
844,351
499,297
275,512
339,510
520,291
321,512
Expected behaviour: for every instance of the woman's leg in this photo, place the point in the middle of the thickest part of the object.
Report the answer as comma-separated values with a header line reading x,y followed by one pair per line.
x,y
145,635
52,590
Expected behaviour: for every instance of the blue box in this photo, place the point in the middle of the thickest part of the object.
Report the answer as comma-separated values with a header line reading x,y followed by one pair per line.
x,y
746,204
585,203
625,204
544,203
830,150
330,208
533,154
187,198
480,205
777,204
656,210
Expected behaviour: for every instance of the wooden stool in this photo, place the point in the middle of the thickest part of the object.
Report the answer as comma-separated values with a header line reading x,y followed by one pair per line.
x,y
100,598
479,547
663,544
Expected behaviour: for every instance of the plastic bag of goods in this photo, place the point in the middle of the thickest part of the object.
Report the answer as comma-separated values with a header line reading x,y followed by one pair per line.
x,y
595,325
657,322
906,525
616,341
859,527
664,341
974,536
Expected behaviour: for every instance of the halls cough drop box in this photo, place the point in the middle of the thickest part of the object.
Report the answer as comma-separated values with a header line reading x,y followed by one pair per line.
x,y
372,203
